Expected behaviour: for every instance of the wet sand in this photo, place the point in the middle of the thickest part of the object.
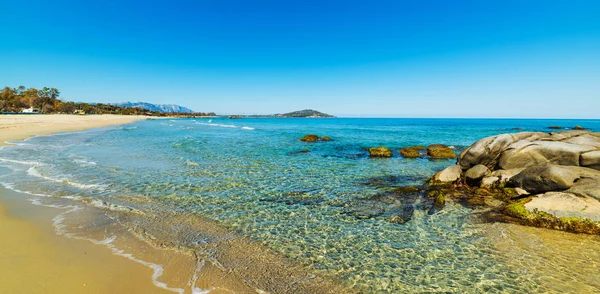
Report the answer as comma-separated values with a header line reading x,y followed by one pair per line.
x,y
33,258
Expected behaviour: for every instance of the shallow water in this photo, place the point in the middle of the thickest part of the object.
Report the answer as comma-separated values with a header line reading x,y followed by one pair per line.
x,y
250,176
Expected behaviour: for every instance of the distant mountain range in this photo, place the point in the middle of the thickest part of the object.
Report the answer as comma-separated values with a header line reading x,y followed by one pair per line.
x,y
155,107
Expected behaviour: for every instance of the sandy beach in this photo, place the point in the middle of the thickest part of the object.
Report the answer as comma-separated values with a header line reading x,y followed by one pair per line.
x,y
33,258
19,127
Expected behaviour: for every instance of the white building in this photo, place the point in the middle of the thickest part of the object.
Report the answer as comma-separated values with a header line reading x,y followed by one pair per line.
x,y
30,110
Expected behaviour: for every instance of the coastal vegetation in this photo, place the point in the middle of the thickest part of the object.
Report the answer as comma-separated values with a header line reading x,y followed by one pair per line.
x,y
46,100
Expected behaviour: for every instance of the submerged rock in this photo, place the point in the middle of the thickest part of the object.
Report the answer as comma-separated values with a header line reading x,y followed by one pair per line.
x,y
440,151
310,138
403,216
413,152
555,127
364,212
325,138
439,201
380,152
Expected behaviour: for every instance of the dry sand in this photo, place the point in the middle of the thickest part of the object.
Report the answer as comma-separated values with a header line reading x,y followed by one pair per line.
x,y
19,127
33,259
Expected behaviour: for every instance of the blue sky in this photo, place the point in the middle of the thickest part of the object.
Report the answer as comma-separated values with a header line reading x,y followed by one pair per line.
x,y
538,58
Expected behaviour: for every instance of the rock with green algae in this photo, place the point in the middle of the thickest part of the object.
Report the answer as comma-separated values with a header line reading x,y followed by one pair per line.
x,y
542,219
440,151
325,138
439,201
381,151
402,216
406,190
310,138
413,152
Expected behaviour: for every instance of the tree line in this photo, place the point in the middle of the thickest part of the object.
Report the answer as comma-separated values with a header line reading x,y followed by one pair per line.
x,y
46,100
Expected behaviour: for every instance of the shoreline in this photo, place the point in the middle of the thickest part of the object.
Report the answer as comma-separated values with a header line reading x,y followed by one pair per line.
x,y
37,259
56,229
22,126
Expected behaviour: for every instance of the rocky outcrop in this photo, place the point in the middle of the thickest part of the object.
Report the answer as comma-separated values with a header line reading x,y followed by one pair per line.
x,y
440,151
380,152
553,179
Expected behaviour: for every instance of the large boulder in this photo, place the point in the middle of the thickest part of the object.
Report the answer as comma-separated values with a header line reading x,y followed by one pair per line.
x,y
449,174
526,154
560,204
476,173
440,151
539,179
487,150
380,152
588,140
587,187
591,158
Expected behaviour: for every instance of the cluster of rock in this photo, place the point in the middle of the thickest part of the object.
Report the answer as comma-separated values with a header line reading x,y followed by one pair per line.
x,y
435,151
560,128
555,176
314,138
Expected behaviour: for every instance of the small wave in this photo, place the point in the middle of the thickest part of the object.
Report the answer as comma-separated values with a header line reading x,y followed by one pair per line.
x,y
84,162
11,187
113,207
225,126
32,171
32,163
191,163
157,270
217,125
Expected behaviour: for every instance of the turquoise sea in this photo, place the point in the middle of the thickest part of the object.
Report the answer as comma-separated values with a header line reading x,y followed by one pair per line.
x,y
327,209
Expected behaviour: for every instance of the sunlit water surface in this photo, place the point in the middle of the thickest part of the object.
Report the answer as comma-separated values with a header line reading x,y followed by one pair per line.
x,y
251,176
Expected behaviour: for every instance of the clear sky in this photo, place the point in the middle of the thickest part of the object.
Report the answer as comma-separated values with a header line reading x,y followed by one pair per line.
x,y
484,58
